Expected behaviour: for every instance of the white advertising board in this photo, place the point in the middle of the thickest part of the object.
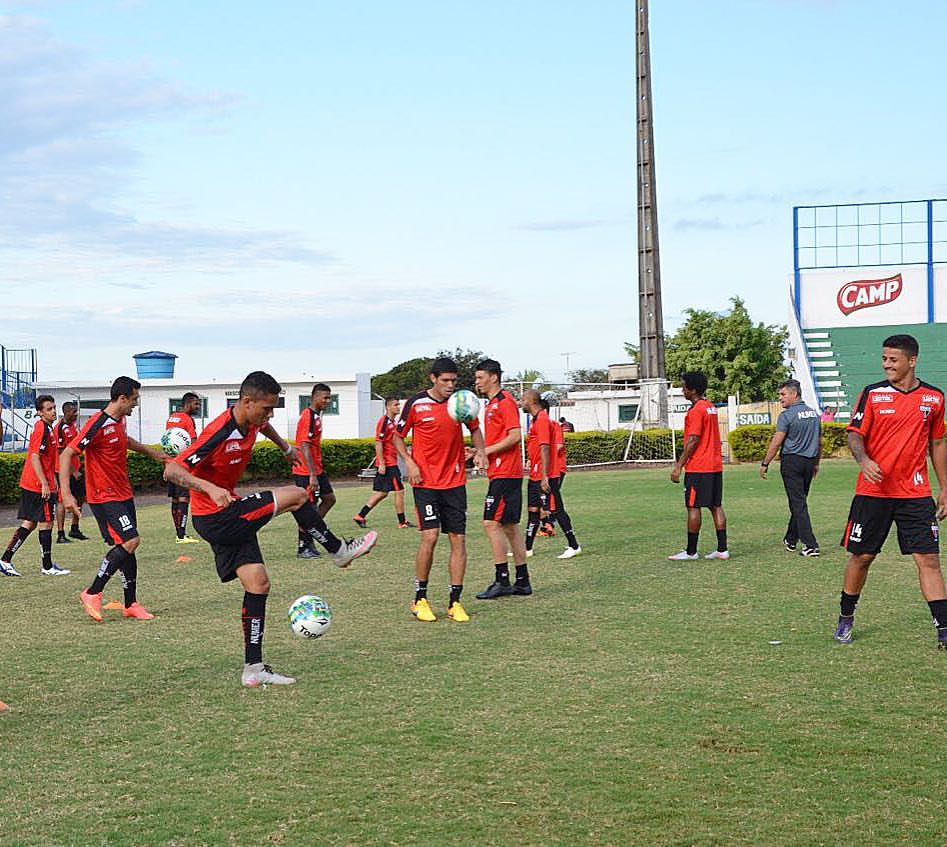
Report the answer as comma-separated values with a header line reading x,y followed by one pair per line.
x,y
867,296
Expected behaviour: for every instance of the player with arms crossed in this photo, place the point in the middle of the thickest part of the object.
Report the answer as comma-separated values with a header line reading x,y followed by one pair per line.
x,y
63,432
703,461
105,441
37,492
437,473
895,425
308,470
503,506
211,467
181,497
388,477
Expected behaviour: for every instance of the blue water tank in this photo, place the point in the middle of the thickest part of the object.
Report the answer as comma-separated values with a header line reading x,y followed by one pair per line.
x,y
155,365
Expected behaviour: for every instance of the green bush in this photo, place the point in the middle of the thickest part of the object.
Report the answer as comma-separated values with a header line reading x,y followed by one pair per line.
x,y
749,443
11,466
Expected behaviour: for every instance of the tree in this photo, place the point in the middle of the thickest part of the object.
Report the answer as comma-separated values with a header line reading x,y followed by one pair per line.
x,y
584,375
404,379
528,376
632,351
410,377
738,356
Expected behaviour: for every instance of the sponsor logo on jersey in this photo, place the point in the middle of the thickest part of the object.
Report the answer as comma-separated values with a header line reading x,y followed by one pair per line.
x,y
881,398
886,411
232,447
865,293
929,398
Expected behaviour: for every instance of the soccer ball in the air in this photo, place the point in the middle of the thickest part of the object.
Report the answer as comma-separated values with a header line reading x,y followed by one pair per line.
x,y
309,616
174,440
463,405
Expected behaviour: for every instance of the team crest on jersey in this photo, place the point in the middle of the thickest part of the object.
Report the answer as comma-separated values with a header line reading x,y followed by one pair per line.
x,y
926,411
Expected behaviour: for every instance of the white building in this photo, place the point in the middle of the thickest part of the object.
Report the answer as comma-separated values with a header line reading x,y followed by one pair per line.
x,y
351,414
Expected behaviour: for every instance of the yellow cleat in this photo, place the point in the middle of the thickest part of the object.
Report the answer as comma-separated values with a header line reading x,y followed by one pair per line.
x,y
422,611
186,540
458,613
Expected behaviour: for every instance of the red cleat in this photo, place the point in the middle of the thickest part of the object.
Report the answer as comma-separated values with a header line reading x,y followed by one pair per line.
x,y
360,521
136,610
92,603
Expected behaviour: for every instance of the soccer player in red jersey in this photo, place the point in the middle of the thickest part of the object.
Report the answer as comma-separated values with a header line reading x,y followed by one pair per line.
x,y
543,486
557,470
63,432
503,506
308,469
211,468
437,473
180,497
702,460
105,442
37,492
388,477
895,425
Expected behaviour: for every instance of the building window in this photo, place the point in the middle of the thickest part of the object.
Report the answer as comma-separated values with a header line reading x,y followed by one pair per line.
x,y
175,406
331,409
627,412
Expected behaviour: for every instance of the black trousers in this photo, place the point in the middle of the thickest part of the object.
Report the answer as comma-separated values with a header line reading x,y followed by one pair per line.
x,y
797,474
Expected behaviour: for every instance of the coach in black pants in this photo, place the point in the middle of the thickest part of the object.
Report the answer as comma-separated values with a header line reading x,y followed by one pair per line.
x,y
798,440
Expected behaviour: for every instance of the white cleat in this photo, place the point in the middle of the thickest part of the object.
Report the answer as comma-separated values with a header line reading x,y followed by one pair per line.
x,y
529,554
718,554
260,674
351,550
683,556
569,553
7,569
55,570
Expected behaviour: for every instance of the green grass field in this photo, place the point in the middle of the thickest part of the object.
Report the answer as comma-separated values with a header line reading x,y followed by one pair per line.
x,y
629,701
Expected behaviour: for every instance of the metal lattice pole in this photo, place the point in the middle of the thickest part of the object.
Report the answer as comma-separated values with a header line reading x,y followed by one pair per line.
x,y
650,316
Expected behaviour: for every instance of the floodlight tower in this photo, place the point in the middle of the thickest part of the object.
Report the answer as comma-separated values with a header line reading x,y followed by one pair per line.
x,y
654,411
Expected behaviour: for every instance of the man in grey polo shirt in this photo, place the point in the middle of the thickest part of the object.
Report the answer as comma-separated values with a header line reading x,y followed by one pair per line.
x,y
798,440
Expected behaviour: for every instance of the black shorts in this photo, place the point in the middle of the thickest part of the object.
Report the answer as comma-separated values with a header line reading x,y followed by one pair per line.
x,y
390,480
118,518
703,490
325,487
76,488
536,498
504,501
870,519
33,507
231,532
442,508
178,491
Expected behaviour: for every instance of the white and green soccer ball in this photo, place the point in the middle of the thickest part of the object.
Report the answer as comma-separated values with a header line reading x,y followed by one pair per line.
x,y
309,616
463,405
174,440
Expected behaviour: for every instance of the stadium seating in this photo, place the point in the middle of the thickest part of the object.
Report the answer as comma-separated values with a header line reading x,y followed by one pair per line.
x,y
845,359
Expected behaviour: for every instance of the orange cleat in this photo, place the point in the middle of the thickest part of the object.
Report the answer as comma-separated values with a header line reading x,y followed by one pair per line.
x,y
92,603
113,605
136,610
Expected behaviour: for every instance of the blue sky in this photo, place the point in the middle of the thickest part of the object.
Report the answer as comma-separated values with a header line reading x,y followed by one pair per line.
x,y
330,187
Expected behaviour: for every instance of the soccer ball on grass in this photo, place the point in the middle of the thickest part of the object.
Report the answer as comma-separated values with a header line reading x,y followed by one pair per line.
x,y
309,616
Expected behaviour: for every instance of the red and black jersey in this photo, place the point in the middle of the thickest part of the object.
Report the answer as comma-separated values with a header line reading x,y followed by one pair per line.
x,y
182,420
897,427
501,415
104,441
385,435
437,445
557,459
309,431
42,444
540,433
701,420
219,455
563,429
63,434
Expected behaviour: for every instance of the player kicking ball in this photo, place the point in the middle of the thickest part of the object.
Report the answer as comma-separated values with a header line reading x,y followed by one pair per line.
x,y
211,468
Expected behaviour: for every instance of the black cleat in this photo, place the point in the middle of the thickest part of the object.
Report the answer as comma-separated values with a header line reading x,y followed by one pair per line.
x,y
494,590
61,539
307,553
521,590
78,535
